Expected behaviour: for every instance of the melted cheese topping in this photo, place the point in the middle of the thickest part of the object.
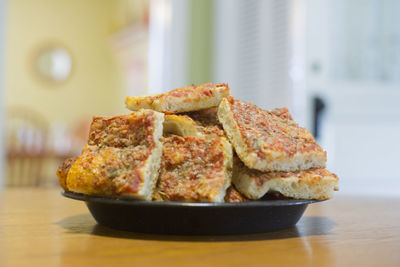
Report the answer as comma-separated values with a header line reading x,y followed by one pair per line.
x,y
192,169
271,130
181,99
202,90
135,129
107,170
113,162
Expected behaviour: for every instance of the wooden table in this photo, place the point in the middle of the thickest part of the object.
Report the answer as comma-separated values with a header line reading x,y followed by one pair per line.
x,y
39,227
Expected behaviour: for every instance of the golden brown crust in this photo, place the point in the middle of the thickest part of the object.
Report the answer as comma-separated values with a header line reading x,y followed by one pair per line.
x,y
185,99
206,90
305,184
108,171
261,178
62,171
234,196
194,169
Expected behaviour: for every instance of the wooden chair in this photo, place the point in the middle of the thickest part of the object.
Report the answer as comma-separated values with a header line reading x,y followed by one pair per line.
x,y
26,140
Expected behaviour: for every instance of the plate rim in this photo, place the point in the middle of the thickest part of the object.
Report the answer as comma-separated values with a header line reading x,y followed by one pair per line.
x,y
137,202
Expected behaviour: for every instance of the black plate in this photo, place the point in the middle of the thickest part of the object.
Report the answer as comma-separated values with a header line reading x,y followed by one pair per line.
x,y
181,218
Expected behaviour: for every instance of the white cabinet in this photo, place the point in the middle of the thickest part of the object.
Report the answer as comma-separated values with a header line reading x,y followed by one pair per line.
x,y
356,48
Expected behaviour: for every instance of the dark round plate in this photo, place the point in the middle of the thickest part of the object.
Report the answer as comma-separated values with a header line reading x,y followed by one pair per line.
x,y
182,218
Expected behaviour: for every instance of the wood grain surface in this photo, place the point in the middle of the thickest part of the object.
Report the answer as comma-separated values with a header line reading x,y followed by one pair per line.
x,y
39,227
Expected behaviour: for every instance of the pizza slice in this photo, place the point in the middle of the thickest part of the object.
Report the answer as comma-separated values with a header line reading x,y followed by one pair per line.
x,y
184,99
122,157
269,140
195,168
309,184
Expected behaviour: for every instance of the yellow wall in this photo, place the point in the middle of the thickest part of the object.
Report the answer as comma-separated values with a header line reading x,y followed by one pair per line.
x,y
84,28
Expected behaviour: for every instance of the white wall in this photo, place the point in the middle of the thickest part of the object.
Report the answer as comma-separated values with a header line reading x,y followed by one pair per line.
x,y
168,44
252,50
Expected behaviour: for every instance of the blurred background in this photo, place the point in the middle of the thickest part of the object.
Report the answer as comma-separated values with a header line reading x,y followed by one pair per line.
x,y
334,63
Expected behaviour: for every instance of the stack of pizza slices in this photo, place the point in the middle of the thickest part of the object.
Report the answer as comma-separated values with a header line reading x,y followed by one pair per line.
x,y
199,144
